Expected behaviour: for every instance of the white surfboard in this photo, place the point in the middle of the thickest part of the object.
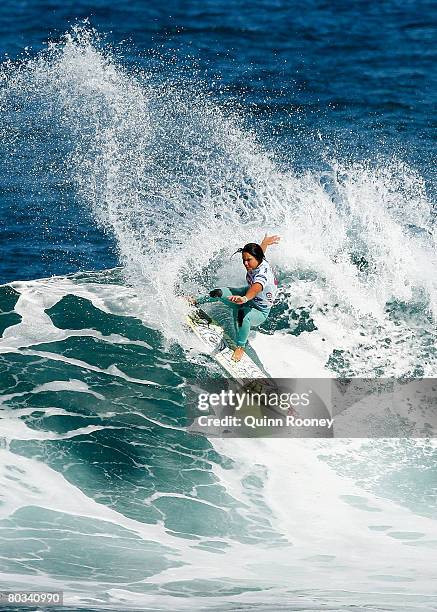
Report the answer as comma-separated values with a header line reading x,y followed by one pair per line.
x,y
245,372
221,347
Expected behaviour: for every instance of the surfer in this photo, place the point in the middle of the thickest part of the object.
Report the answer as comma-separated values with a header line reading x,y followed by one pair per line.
x,y
251,304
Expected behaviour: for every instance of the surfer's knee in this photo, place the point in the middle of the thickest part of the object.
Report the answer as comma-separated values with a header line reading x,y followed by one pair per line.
x,y
216,293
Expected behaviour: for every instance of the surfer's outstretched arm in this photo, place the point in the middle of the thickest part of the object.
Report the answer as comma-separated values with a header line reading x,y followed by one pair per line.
x,y
221,294
269,240
251,293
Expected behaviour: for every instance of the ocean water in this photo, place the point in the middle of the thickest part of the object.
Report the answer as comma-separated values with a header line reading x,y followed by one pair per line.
x,y
141,145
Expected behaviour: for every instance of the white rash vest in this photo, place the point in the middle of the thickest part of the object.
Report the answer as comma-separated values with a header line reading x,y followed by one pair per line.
x,y
263,275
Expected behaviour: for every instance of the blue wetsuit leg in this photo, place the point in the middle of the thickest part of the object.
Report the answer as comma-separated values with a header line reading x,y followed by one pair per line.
x,y
246,317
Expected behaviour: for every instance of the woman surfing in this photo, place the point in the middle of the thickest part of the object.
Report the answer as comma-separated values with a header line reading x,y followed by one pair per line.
x,y
251,303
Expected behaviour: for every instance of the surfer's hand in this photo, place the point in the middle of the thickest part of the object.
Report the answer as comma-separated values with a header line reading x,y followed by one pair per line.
x,y
269,240
190,300
237,299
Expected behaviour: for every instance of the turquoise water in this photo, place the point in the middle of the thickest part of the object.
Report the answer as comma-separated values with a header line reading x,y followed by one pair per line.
x,y
108,496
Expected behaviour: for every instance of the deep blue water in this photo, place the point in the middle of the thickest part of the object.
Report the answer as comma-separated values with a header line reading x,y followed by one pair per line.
x,y
353,79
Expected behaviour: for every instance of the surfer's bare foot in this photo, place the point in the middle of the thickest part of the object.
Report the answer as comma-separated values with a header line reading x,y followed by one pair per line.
x,y
238,354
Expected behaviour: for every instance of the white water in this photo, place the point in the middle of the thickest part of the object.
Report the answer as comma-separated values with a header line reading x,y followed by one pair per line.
x,y
181,184
356,543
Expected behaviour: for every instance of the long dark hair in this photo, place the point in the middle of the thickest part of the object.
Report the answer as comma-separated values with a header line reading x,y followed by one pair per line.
x,y
253,249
